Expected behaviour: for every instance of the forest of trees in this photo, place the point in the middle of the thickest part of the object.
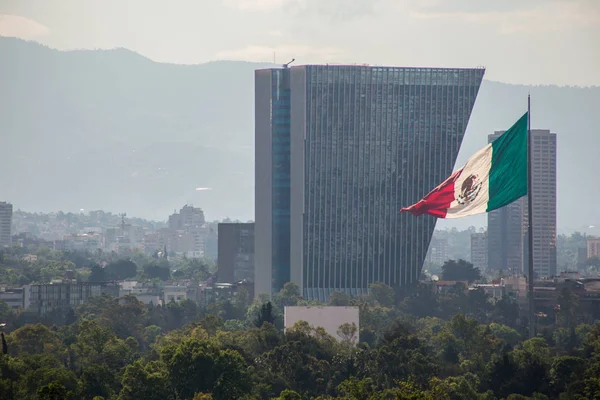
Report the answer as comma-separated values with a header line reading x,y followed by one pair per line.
x,y
456,345
17,270
417,345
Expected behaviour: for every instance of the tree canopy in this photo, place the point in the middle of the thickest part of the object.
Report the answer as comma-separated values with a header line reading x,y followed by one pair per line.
x,y
460,270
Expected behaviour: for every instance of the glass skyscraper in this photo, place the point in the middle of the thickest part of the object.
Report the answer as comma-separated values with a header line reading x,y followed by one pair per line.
x,y
339,150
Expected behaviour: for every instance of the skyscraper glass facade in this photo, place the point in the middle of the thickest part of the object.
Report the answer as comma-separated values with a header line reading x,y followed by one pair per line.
x,y
280,99
363,142
377,139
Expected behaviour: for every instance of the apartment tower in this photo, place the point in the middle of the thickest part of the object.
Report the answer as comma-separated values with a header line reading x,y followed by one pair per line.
x,y
6,212
508,226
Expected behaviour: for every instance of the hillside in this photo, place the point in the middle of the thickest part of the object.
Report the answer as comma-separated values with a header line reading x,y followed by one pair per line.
x,y
112,130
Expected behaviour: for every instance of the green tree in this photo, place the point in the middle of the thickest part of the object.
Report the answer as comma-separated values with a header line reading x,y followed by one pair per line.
x,y
155,271
96,380
337,298
356,389
54,391
265,315
35,339
98,274
347,332
288,395
460,270
289,295
564,371
148,381
382,294
121,269
195,366
506,311
569,307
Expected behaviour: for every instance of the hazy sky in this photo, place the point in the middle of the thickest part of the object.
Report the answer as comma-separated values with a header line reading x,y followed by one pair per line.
x,y
519,41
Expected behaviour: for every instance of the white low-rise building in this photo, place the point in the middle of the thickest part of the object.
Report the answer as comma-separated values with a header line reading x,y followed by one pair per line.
x,y
329,318
174,293
494,290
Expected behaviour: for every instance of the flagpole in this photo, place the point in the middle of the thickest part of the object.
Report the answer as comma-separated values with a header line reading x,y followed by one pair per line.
x,y
530,221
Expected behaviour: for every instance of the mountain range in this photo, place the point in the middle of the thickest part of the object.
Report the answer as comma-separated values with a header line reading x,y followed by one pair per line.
x,y
113,130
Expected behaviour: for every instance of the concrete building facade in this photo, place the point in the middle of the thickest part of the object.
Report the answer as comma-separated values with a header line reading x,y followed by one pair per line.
x,y
187,232
42,298
339,150
544,204
593,247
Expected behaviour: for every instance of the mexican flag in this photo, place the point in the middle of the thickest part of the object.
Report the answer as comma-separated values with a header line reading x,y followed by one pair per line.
x,y
492,178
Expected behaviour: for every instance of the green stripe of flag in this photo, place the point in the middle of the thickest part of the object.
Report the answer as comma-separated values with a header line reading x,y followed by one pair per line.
x,y
508,172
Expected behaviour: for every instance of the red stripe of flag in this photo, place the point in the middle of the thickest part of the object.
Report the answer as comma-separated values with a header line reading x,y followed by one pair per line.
x,y
438,201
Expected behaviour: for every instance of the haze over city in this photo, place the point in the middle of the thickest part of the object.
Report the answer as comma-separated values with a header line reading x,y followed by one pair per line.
x,y
519,42
299,199
549,42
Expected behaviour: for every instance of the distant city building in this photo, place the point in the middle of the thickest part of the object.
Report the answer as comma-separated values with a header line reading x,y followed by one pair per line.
x,y
25,239
174,294
185,244
516,287
505,239
152,243
339,150
236,252
214,292
507,226
83,242
544,204
6,213
582,256
438,251
593,247
211,246
479,250
124,237
495,291
587,290
13,297
47,297
187,232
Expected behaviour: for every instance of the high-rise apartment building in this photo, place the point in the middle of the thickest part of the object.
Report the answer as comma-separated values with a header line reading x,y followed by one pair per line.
x,y
187,232
6,211
505,238
479,250
593,247
544,203
236,252
438,251
339,150
508,226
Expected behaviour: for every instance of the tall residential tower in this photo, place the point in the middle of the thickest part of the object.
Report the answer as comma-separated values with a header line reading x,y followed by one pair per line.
x,y
339,150
6,212
507,227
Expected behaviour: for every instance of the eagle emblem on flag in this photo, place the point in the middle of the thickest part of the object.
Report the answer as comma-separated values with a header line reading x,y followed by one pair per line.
x,y
469,190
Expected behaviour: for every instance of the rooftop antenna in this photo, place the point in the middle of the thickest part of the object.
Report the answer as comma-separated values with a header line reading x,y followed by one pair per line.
x,y
288,64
